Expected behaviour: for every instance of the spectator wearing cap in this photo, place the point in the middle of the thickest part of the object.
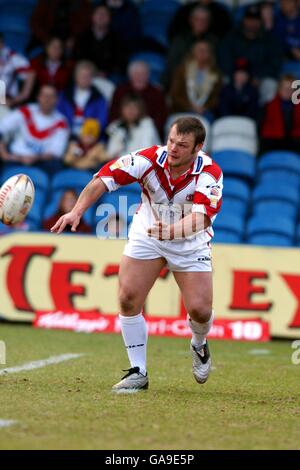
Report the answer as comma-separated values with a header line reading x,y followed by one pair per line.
x,y
260,48
280,126
239,97
197,81
83,100
287,28
139,84
86,153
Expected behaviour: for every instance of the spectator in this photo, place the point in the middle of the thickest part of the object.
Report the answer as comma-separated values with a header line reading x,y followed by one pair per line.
x,y
196,83
65,19
239,97
83,100
124,13
39,133
280,127
260,48
139,84
101,46
287,28
132,130
16,73
51,68
87,153
199,28
220,18
66,204
267,15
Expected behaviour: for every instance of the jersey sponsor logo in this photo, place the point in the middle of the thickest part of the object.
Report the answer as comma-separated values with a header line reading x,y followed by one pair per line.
x,y
215,195
123,162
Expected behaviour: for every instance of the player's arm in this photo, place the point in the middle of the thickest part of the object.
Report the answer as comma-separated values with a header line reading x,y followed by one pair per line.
x,y
189,225
90,194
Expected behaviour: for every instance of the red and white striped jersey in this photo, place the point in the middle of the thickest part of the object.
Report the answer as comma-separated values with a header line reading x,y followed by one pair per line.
x,y
199,189
35,133
13,67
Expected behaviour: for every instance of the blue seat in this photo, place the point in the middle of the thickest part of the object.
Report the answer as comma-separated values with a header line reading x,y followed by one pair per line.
x,y
236,188
223,236
270,240
156,63
39,177
280,208
236,163
279,176
14,23
291,67
155,18
268,191
71,179
236,206
229,222
279,160
272,224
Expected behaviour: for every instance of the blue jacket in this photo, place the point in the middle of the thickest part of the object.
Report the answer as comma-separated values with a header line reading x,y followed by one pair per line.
x,y
96,108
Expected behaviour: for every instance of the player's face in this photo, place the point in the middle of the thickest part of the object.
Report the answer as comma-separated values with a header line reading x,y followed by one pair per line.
x,y
181,149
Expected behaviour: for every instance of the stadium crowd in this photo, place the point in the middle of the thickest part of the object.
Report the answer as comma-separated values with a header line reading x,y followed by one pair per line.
x,y
92,80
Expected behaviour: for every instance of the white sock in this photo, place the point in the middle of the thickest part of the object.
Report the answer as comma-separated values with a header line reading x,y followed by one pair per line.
x,y
199,330
134,332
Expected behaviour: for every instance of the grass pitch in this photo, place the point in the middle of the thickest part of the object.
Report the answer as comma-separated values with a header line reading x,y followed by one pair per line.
x,y
250,401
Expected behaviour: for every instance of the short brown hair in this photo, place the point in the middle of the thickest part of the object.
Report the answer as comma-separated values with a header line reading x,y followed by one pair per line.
x,y
191,125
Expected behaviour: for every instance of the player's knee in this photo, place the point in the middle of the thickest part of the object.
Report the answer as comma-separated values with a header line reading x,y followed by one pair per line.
x,y
200,312
127,299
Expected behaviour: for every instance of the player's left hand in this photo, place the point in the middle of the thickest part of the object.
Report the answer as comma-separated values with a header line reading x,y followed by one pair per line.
x,y
161,231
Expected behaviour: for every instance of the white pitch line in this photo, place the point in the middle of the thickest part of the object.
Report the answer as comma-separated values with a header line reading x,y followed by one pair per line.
x,y
5,423
259,352
39,364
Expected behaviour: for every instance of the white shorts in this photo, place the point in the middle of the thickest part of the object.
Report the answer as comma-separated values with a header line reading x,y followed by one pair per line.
x,y
178,260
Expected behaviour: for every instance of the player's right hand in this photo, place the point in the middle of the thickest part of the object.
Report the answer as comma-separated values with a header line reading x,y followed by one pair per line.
x,y
70,218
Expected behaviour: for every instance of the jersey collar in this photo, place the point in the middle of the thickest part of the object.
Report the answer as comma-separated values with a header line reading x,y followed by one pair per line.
x,y
200,162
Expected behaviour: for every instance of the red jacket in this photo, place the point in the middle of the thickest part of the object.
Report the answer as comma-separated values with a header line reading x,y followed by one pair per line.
x,y
273,121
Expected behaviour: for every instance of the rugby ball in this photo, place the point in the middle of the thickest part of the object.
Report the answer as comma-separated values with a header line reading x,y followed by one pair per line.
x,y
16,199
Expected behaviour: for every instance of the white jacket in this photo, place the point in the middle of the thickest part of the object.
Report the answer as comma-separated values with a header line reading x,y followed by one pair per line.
x,y
122,141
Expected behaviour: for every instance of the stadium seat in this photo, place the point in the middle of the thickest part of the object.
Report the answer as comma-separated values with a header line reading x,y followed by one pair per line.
x,y
279,160
223,236
236,133
71,179
155,19
268,191
236,163
280,208
172,117
236,188
272,224
277,177
156,63
237,206
229,222
270,240
291,67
